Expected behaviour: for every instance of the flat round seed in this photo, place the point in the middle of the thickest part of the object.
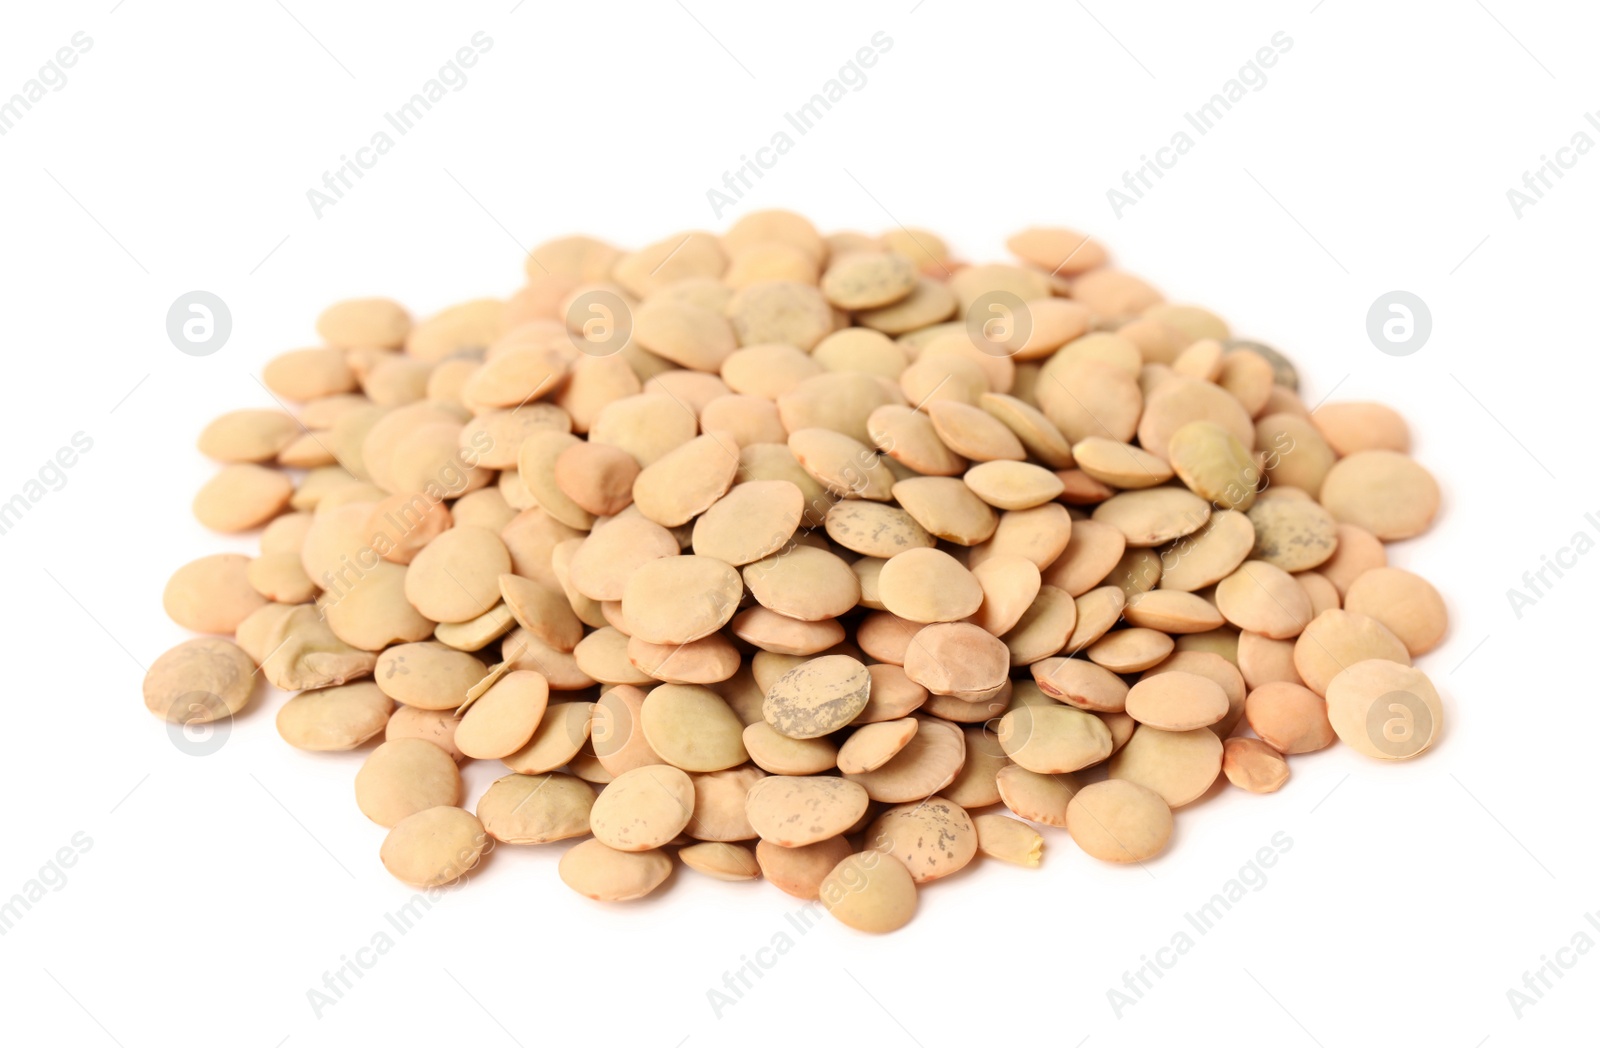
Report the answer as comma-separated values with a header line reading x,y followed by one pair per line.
x,y
779,754
753,520
1120,465
503,719
1130,650
1057,250
721,861
592,869
719,797
435,726
770,631
1296,454
1214,668
908,437
536,809
704,661
843,465
1262,659
1251,764
428,675
1172,611
674,600
456,577
1044,628
618,740
643,809
928,303
373,612
280,577
817,697
780,311
1385,709
975,785
868,280
645,425
1208,555
947,508
1294,534
1050,740
803,582
1153,516
249,435
1177,701
692,728
339,718
1178,401
873,529
212,594
1178,765
614,551
974,433
598,477
1092,551
796,810
1012,485
1081,683
893,694
958,659
1336,640
542,611
241,497
1086,397
870,892
1322,593
1353,426
801,871
687,480
928,585
688,335
1137,572
1358,551
1037,798
1098,610
932,838
1038,434
873,745
1406,603
1214,464
433,847
1009,583
1119,821
308,374
1289,717
929,763
1263,598
405,776
861,349
561,733
199,681
1385,492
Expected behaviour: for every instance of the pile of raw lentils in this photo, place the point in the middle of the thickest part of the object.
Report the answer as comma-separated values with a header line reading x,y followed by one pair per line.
x,y
832,560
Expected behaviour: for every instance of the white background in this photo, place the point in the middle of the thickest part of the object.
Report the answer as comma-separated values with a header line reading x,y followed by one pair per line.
x,y
1377,157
